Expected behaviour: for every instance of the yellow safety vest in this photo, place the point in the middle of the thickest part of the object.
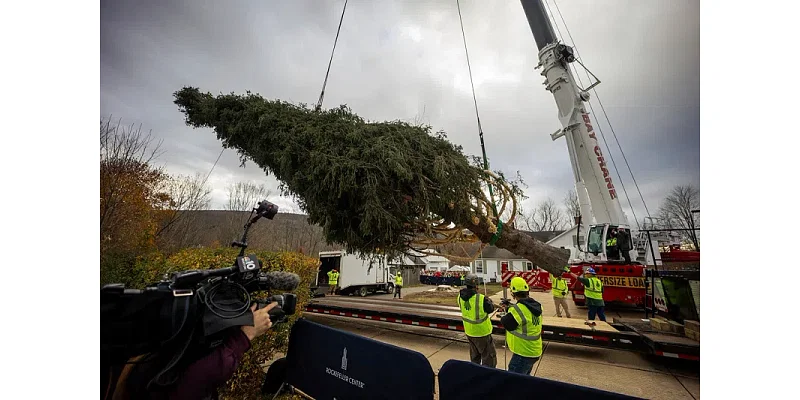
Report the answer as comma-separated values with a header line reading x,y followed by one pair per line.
x,y
559,285
611,242
595,289
476,321
333,278
398,279
526,340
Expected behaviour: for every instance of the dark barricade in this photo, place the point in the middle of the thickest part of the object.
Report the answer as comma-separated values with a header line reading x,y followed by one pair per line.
x,y
327,363
440,280
463,380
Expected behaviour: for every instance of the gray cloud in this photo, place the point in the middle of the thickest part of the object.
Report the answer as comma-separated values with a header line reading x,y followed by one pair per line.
x,y
405,60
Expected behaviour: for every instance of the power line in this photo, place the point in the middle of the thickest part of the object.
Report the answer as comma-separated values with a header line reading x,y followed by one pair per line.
x,y
607,121
213,166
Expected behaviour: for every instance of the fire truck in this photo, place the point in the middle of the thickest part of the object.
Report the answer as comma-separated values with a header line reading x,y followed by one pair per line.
x,y
600,209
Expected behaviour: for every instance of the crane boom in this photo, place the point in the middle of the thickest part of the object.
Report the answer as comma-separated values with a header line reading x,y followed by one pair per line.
x,y
594,185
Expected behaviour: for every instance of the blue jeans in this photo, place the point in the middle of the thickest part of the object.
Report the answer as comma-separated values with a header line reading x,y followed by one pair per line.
x,y
599,310
521,365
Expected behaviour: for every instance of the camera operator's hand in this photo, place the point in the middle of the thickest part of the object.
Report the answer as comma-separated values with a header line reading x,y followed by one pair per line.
x,y
261,321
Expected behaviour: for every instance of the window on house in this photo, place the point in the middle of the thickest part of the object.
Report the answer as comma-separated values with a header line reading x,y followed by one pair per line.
x,y
479,267
575,240
528,265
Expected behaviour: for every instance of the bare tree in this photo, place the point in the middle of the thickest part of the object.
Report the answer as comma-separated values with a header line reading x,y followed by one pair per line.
x,y
243,196
676,211
187,195
546,216
571,204
121,148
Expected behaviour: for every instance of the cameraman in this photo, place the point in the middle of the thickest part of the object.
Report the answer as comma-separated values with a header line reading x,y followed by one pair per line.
x,y
201,378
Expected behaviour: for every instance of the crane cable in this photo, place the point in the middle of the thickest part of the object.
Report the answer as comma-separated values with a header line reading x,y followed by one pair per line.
x,y
435,233
577,53
496,236
336,40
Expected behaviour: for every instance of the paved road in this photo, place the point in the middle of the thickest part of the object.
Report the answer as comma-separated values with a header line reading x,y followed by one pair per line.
x,y
614,370
405,291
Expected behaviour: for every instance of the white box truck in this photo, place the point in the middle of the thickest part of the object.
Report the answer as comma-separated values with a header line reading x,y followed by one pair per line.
x,y
357,275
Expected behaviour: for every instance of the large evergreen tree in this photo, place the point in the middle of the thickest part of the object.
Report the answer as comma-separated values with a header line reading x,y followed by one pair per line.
x,y
372,186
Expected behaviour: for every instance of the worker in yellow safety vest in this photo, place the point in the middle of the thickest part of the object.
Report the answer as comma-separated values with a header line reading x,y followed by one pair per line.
x,y
398,284
560,291
593,289
612,251
523,325
476,310
333,280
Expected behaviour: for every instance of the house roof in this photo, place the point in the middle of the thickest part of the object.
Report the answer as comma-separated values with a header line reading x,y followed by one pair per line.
x,y
409,261
496,252
568,231
543,236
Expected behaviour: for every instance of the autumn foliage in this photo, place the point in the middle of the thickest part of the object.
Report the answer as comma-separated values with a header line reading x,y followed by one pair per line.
x,y
248,377
144,222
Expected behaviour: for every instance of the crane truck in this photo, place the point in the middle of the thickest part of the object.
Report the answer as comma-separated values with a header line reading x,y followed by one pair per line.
x,y
598,202
600,209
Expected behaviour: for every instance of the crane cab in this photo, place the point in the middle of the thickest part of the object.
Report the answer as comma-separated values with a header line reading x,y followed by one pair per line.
x,y
598,240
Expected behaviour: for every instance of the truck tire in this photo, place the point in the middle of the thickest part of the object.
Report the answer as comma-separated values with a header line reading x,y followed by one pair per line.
x,y
363,291
390,288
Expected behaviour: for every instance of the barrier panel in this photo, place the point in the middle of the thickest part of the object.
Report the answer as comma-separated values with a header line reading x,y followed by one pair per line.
x,y
327,363
461,380
440,280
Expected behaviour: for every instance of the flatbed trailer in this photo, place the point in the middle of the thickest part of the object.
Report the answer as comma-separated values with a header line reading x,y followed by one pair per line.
x,y
630,335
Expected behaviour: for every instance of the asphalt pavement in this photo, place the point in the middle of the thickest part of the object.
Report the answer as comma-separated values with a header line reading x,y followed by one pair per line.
x,y
614,370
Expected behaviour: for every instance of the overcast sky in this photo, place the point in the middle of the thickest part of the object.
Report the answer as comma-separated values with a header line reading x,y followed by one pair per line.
x,y
405,60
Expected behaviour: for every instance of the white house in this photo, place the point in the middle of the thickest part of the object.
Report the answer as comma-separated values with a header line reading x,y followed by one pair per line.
x,y
436,263
568,239
489,264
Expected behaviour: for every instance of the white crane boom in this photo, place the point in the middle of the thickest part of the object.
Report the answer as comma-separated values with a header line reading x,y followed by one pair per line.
x,y
600,208
592,177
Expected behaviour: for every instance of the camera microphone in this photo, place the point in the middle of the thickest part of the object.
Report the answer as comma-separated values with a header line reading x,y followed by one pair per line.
x,y
279,280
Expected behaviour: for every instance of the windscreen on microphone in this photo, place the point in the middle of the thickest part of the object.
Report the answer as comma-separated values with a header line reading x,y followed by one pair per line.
x,y
279,280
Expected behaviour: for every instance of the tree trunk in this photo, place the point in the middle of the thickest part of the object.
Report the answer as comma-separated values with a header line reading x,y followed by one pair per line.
x,y
546,257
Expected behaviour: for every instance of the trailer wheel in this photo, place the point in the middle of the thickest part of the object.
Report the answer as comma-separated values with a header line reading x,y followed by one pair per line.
x,y
363,292
390,289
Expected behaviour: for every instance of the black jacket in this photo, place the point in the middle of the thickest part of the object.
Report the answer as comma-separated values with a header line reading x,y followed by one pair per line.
x,y
624,240
467,293
508,321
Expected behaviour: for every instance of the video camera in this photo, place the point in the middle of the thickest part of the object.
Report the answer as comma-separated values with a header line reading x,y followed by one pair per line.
x,y
189,311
